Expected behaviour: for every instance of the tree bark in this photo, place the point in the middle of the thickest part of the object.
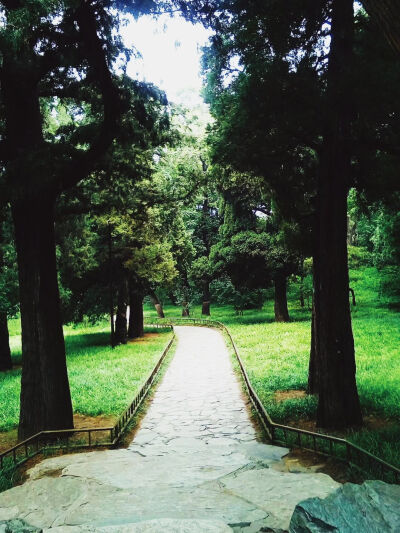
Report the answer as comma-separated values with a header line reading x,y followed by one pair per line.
x,y
45,396
136,319
338,405
280,303
5,352
205,308
387,15
121,323
157,304
185,309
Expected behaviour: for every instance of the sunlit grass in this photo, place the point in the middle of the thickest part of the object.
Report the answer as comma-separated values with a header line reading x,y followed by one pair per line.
x,y
103,381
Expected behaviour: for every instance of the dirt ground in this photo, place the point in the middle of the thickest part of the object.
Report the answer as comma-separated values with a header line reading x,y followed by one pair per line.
x,y
8,439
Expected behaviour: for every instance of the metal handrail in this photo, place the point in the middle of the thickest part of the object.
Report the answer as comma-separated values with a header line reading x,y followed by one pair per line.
x,y
38,443
354,455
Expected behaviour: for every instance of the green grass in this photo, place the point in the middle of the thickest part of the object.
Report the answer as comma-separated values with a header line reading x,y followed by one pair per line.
x,y
276,358
103,381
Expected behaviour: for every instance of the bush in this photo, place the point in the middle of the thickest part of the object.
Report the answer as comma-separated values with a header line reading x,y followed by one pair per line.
x,y
359,257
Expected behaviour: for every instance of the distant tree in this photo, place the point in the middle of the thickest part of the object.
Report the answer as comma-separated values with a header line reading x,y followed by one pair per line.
x,y
205,223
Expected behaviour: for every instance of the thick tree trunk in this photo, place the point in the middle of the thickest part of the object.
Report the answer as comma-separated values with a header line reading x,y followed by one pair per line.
x,y
136,320
338,405
313,364
280,303
205,308
45,395
5,352
121,322
157,304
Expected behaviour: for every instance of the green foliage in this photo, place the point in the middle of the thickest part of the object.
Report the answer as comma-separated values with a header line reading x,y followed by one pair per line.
x,y
153,263
358,257
202,270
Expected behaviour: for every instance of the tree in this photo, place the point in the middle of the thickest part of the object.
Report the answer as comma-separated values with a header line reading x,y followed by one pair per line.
x,y
290,54
338,404
205,223
256,246
149,265
38,57
53,51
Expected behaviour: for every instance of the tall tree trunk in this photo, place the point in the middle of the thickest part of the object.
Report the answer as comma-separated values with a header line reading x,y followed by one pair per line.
x,y
205,308
338,405
45,394
280,303
5,352
313,364
111,287
136,320
157,304
121,323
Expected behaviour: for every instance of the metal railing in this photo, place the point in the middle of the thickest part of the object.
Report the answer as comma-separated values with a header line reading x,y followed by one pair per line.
x,y
69,439
296,437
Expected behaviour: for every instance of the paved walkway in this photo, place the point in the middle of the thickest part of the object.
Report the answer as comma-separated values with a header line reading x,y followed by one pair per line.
x,y
194,466
199,399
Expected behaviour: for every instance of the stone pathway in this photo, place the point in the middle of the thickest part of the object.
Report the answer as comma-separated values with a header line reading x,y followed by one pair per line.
x,y
199,401
194,465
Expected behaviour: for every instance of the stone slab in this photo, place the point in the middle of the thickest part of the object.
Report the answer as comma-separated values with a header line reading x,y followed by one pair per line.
x,y
373,507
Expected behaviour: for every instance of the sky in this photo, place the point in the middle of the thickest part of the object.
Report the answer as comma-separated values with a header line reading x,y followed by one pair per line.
x,y
170,50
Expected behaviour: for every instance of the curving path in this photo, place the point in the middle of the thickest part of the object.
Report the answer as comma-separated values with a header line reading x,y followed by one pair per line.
x,y
194,465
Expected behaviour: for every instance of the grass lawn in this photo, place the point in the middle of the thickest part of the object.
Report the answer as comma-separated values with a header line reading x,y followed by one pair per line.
x,y
276,357
103,381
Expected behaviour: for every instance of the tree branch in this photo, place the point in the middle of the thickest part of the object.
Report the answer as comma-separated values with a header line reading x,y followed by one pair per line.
x,y
112,98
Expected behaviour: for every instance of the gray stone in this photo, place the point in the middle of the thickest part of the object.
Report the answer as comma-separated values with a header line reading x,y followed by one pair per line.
x,y
277,493
256,451
17,526
152,526
373,507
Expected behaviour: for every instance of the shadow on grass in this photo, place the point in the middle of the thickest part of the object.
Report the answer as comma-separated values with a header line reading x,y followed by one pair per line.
x,y
86,340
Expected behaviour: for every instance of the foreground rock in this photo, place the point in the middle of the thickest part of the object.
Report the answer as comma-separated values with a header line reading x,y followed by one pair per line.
x,y
373,506
17,526
236,485
152,526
